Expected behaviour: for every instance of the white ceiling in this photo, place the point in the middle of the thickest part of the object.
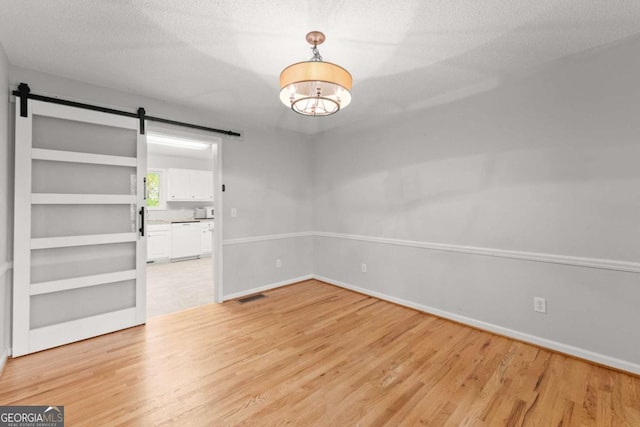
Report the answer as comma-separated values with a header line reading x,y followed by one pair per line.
x,y
226,55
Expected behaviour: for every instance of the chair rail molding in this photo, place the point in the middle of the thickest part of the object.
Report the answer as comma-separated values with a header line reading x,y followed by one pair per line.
x,y
606,264
266,238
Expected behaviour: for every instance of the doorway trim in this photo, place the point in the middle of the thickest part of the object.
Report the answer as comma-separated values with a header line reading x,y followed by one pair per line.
x,y
217,250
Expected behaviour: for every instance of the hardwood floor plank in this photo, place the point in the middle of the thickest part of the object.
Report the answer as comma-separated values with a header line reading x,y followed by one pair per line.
x,y
315,354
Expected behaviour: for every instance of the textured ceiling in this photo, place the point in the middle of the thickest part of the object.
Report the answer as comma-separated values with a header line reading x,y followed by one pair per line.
x,y
226,56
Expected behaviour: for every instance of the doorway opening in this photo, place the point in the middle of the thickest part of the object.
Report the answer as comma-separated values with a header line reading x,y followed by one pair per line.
x,y
183,199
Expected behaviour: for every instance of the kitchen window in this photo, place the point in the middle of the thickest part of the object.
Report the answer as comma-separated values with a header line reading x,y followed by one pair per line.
x,y
156,189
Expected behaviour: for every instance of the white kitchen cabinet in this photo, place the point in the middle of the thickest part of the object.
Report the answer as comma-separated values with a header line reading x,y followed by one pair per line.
x,y
190,185
202,185
178,185
158,242
206,246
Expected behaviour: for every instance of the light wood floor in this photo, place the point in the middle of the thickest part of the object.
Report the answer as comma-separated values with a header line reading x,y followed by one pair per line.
x,y
314,354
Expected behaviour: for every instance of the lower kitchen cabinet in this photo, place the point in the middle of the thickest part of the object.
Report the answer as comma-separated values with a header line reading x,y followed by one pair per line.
x,y
179,240
158,242
206,244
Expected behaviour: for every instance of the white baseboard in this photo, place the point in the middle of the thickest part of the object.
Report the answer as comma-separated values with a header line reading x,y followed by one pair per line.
x,y
581,353
266,287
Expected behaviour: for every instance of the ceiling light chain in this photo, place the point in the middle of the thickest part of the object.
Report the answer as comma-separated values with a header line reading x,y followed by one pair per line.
x,y
316,54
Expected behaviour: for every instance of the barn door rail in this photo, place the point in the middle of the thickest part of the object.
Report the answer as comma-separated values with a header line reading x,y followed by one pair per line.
x,y
24,92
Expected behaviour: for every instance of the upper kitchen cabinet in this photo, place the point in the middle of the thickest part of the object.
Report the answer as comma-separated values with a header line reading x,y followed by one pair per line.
x,y
190,185
202,185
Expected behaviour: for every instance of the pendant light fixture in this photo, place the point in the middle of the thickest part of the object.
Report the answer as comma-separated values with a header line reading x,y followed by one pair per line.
x,y
314,87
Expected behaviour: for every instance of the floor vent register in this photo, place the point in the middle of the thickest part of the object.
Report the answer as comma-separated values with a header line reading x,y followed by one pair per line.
x,y
251,298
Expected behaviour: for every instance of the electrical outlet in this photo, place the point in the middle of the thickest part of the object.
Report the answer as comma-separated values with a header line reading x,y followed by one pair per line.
x,y
540,304
234,213
278,263
364,268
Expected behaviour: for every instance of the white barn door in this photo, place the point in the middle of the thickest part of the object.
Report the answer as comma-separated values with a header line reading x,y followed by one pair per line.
x,y
80,244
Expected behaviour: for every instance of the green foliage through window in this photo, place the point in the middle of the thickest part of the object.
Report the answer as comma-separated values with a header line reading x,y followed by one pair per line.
x,y
153,189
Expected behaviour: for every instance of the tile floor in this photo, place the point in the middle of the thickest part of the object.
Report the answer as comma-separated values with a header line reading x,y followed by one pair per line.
x,y
175,286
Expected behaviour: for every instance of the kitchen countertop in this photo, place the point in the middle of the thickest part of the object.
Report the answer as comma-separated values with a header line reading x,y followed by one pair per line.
x,y
169,221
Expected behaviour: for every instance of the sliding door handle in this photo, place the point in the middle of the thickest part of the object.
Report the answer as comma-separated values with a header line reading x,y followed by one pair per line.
x,y
141,229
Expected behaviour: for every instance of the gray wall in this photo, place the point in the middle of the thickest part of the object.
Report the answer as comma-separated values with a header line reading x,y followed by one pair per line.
x,y
269,183
6,203
545,165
